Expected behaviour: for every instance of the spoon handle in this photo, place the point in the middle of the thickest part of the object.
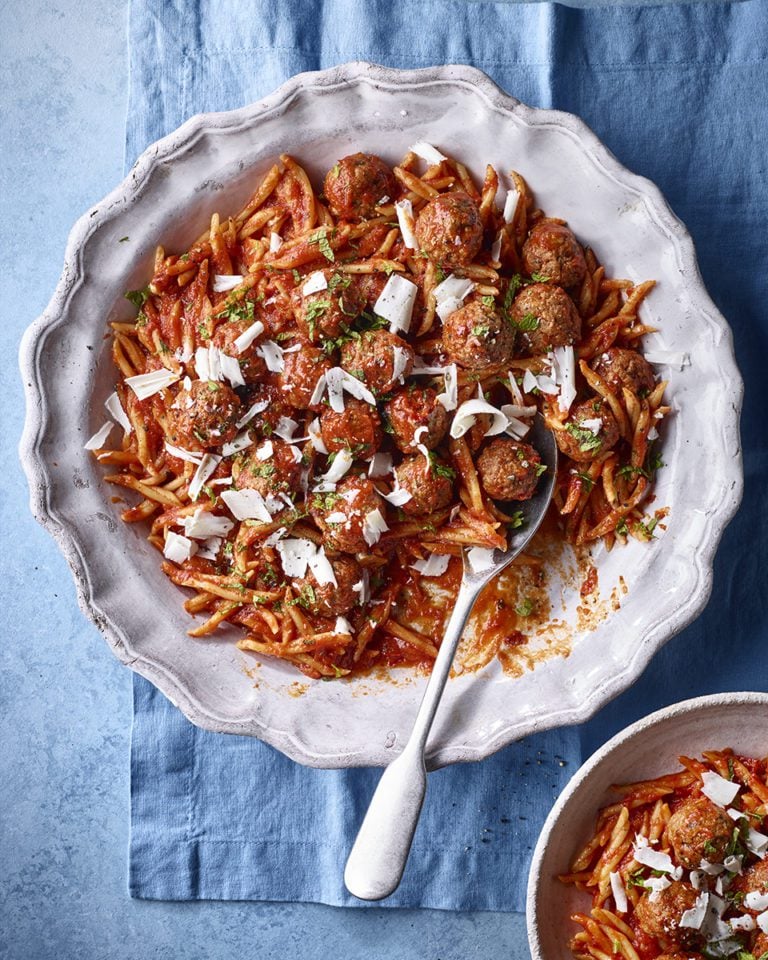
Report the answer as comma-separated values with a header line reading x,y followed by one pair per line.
x,y
378,857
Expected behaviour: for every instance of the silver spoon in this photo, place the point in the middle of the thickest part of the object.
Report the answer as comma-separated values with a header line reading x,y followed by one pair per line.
x,y
378,857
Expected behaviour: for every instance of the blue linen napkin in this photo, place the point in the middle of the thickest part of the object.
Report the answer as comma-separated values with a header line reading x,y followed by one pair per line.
x,y
677,93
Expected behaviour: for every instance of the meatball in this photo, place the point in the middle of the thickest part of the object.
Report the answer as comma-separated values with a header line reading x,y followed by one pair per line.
x,y
276,407
509,470
625,368
325,313
545,317
410,410
476,337
327,599
699,830
357,184
753,878
449,229
356,428
279,473
205,416
660,918
760,945
301,371
590,430
379,358
552,251
341,515
252,366
430,486
370,286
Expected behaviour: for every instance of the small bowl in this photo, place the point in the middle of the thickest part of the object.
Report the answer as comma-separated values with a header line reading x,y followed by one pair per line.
x,y
648,748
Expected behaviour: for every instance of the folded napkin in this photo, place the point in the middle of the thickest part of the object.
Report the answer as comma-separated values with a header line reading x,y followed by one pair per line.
x,y
678,94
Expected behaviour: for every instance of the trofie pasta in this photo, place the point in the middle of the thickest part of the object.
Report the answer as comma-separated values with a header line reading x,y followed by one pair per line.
x,y
326,398
677,866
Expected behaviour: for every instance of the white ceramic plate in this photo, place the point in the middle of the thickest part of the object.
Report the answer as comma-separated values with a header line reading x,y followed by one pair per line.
x,y
649,748
212,163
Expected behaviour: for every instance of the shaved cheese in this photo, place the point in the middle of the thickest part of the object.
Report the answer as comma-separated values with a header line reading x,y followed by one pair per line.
x,y
514,389
450,294
99,438
594,425
711,869
241,442
374,525
337,517
398,497
209,549
275,242
207,466
247,505
694,918
203,524
247,337
656,885
762,921
434,566
395,303
221,482
294,555
510,205
316,437
735,814
756,900
318,392
697,879
449,398
515,427
480,559
273,356
619,893
294,349
564,369
655,859
530,382
147,384
719,790
363,588
285,429
356,388
178,548
265,450
296,453
333,381
315,283
427,152
668,358
115,408
380,465
521,410
496,247
321,568
273,538
420,368
183,454
733,865
744,922
404,211
259,407
466,417
223,282
756,843
343,626
399,364
207,363
230,368
341,463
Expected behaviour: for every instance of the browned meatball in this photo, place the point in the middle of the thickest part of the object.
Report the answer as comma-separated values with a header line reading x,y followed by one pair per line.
x,y
660,918
411,409
753,878
449,229
552,251
625,368
509,470
699,830
357,184
354,498
277,406
545,317
476,337
204,417
760,945
430,487
356,428
252,366
301,371
325,598
583,442
326,313
370,286
280,473
379,358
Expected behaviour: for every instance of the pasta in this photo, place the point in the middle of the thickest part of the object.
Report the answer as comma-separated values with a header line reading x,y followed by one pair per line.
x,y
326,398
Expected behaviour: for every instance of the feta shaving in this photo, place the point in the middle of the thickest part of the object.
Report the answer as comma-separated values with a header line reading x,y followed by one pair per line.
x,y
404,211
399,364
321,568
343,626
230,368
275,242
756,843
207,466
510,205
265,450
655,859
247,505
296,453
285,429
99,438
434,566
178,548
294,555
203,524
241,442
762,921
466,417
668,358
247,337
449,398
147,384
374,525
316,437
496,247
315,283
115,408
259,407
427,152
209,549
380,465
694,918
619,893
222,283
183,454
341,463
395,303
480,559
719,790
273,356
